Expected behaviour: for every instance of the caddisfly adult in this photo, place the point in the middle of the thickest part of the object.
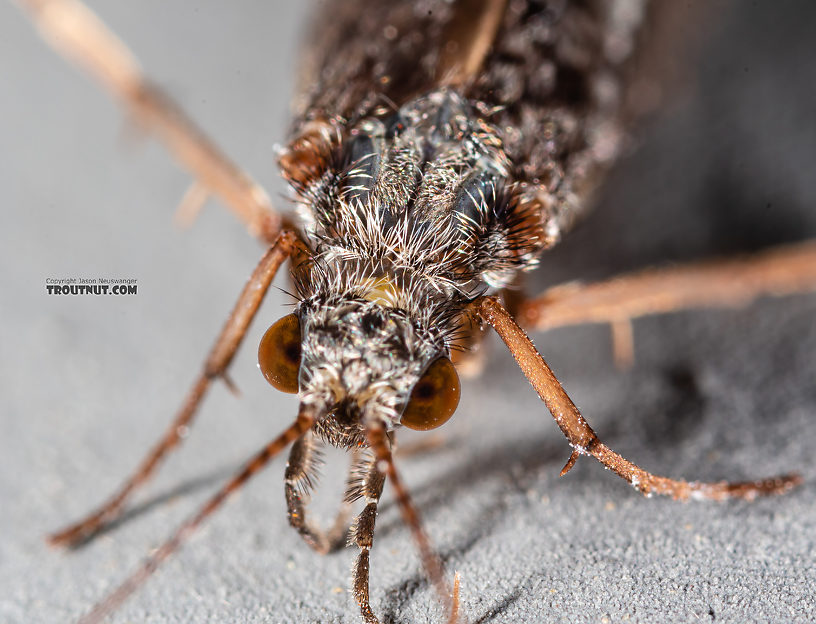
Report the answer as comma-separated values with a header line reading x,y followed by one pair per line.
x,y
437,153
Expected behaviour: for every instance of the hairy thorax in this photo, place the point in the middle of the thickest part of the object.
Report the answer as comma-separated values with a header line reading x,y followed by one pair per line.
x,y
421,196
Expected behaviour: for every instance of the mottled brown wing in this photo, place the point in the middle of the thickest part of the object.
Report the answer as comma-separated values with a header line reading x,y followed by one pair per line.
x,y
362,54
567,78
555,77
560,79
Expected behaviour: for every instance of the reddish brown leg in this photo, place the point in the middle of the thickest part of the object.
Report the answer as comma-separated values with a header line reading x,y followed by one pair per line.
x,y
430,561
304,421
725,283
215,366
583,439
78,34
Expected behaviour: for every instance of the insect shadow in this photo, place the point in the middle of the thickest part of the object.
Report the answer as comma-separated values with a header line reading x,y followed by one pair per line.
x,y
181,490
527,458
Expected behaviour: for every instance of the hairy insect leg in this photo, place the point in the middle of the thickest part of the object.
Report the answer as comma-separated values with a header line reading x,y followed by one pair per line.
x,y
375,432
583,439
362,533
215,366
301,425
78,34
300,478
733,282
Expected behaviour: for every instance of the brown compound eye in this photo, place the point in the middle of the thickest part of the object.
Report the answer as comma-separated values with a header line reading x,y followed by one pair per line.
x,y
279,354
434,397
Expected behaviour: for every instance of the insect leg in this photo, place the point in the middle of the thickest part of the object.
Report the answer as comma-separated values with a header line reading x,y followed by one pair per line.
x,y
300,478
362,534
430,560
215,366
79,35
724,283
301,425
583,439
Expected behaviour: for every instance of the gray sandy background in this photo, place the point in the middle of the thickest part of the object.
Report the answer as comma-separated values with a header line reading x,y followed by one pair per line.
x,y
88,383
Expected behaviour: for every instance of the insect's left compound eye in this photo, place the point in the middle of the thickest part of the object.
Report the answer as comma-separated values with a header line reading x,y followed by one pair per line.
x,y
434,397
279,354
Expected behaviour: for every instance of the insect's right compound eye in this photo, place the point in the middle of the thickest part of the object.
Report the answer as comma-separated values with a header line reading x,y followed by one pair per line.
x,y
279,354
